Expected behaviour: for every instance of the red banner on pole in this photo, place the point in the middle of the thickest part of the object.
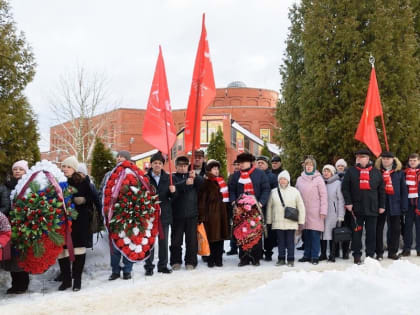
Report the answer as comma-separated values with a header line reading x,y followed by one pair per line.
x,y
203,91
366,131
158,126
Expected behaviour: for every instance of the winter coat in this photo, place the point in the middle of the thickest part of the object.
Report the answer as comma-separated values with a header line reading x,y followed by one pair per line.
x,y
5,233
4,200
184,203
336,209
213,211
314,195
365,202
80,233
165,196
259,182
397,203
275,210
272,179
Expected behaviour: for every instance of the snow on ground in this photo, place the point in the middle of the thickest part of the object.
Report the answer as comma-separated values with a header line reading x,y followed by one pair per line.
x,y
341,288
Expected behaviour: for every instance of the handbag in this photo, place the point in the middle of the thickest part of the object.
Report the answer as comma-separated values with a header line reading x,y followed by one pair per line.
x,y
203,243
289,212
341,234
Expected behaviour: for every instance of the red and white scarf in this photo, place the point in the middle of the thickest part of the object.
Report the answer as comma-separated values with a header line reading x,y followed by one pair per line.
x,y
223,187
364,178
412,179
389,189
246,181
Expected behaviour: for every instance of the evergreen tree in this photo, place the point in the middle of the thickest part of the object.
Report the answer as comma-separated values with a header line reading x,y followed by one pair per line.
x,y
217,151
265,151
326,75
102,161
18,128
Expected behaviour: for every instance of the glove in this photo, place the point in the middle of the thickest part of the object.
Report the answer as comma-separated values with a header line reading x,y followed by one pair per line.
x,y
418,212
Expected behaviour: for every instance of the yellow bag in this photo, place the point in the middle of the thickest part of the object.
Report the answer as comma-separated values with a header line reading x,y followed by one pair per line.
x,y
203,243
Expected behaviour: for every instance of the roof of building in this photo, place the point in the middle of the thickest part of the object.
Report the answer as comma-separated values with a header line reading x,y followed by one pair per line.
x,y
237,84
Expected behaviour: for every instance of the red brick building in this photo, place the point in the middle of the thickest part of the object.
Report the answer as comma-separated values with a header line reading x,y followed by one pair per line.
x,y
246,116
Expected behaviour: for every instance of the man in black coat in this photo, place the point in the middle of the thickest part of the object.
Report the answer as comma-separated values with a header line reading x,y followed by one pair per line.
x,y
185,215
263,163
159,179
261,188
276,167
364,196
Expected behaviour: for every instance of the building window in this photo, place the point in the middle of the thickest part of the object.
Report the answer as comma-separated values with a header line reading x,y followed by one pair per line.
x,y
209,127
233,138
265,134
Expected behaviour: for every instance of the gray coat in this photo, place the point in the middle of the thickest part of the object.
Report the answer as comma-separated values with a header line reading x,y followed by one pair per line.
x,y
336,209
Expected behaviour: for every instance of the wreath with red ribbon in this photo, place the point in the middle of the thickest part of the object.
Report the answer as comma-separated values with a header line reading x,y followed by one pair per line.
x,y
247,222
131,211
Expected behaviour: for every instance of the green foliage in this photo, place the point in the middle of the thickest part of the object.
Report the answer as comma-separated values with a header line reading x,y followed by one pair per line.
x,y
217,151
102,161
57,238
325,76
18,127
38,249
265,151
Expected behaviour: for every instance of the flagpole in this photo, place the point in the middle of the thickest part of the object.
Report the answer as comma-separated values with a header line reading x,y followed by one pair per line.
x,y
372,62
196,105
167,135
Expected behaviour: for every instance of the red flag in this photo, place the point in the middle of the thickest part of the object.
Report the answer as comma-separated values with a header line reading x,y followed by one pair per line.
x,y
366,131
203,91
158,126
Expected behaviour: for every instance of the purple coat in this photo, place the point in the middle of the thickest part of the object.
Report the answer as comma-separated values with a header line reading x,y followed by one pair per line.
x,y
314,195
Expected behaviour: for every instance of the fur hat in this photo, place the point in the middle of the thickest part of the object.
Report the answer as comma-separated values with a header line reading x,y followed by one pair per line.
x,y
182,160
23,164
284,174
330,168
72,162
82,168
157,157
125,154
212,163
340,162
245,157
362,152
387,154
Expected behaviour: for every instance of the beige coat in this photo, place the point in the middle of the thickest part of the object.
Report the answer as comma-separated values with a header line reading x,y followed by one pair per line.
x,y
275,210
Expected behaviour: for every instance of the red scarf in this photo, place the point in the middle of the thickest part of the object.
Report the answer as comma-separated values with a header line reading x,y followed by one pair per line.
x,y
223,187
246,181
389,189
412,178
364,178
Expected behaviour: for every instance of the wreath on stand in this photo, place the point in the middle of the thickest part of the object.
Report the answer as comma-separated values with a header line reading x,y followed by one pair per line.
x,y
41,217
131,212
247,222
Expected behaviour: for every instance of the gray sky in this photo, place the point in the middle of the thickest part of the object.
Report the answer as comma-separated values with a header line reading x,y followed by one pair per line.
x,y
121,38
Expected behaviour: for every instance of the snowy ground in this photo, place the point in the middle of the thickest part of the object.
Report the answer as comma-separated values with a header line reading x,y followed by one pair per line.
x,y
341,288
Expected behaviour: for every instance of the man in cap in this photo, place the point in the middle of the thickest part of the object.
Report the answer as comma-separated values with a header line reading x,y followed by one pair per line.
x,y
199,163
159,179
364,196
185,215
276,166
263,163
396,204
255,182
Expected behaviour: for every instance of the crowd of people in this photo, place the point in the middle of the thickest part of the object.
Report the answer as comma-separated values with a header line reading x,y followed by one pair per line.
x,y
364,196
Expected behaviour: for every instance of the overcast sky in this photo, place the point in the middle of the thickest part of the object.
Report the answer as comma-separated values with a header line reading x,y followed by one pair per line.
x,y
121,38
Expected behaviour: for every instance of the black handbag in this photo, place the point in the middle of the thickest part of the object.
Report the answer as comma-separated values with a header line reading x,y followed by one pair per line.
x,y
289,212
341,234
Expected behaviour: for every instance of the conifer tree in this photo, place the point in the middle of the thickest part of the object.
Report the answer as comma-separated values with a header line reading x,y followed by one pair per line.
x,y
217,150
102,162
265,151
18,127
326,75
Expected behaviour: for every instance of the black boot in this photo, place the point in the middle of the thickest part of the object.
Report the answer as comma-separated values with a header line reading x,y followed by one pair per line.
x,y
64,264
20,282
332,251
78,265
323,251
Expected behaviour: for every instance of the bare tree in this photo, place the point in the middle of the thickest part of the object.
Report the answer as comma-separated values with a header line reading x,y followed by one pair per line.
x,y
81,96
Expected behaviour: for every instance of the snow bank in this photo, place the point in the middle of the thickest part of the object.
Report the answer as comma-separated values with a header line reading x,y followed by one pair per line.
x,y
341,288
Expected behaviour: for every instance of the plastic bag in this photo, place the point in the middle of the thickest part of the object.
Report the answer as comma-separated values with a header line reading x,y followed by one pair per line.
x,y
203,243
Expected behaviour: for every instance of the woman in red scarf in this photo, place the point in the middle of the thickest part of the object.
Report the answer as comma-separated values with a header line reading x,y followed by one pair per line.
x,y
212,211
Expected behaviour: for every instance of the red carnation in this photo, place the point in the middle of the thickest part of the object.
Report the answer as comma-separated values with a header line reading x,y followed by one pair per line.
x,y
126,250
133,256
58,211
146,248
151,241
141,255
120,243
123,205
129,193
50,201
31,201
35,226
42,194
126,182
